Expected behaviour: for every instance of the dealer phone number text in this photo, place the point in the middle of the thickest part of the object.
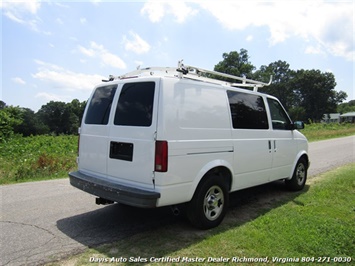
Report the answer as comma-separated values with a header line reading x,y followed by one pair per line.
x,y
326,259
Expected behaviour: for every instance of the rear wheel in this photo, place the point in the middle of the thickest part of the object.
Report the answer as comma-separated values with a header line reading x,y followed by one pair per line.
x,y
209,203
299,177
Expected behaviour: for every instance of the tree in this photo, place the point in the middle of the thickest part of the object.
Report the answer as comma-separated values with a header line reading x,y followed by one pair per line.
x,y
2,105
51,114
236,64
10,117
346,107
62,118
315,92
281,86
31,124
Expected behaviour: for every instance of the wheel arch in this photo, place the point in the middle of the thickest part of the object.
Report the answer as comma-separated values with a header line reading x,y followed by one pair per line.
x,y
221,168
300,155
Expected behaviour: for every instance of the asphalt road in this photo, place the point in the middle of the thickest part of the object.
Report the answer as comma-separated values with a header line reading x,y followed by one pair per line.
x,y
49,220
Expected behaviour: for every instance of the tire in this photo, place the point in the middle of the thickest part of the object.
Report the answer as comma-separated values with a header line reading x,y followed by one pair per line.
x,y
209,203
299,177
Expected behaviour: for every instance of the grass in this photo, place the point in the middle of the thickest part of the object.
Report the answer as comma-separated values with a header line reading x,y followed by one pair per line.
x,y
313,226
32,158
322,131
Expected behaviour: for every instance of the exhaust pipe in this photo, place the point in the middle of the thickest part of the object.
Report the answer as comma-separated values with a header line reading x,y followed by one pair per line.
x,y
101,201
175,210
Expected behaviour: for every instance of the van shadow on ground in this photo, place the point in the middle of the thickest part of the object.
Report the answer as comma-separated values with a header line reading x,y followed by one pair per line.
x,y
118,222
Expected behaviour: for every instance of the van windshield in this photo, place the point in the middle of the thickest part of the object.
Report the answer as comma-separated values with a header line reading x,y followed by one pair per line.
x,y
100,105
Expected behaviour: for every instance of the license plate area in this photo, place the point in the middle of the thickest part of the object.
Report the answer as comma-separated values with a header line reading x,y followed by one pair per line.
x,y
121,151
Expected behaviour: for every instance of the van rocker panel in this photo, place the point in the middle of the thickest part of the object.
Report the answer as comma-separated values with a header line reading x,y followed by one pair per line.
x,y
113,191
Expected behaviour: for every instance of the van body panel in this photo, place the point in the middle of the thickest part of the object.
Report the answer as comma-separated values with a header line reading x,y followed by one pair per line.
x,y
252,160
191,110
285,149
96,152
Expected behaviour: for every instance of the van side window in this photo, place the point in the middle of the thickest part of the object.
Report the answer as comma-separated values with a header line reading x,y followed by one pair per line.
x,y
135,105
100,105
248,111
280,119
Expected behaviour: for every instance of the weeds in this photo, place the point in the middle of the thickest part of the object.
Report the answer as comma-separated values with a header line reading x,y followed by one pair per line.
x,y
321,131
37,157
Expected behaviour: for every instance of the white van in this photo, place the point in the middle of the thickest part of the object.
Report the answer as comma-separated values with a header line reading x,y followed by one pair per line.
x,y
167,136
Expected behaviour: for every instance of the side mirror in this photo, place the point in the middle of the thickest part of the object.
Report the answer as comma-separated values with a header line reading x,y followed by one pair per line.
x,y
298,125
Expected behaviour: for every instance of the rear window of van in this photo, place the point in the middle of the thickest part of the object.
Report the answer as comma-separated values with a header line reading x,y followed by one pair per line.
x,y
135,105
100,105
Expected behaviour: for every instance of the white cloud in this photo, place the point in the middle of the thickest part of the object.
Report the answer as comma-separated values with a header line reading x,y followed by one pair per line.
x,y
95,2
23,12
64,79
330,24
156,10
19,81
136,44
59,21
51,97
314,50
107,58
249,38
83,21
31,6
86,51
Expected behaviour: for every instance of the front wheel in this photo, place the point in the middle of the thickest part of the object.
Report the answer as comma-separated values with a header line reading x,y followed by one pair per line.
x,y
209,203
299,177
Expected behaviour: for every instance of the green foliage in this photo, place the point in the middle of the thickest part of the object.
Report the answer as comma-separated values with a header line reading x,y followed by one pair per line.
x,y
280,86
37,157
9,118
62,118
236,64
346,107
321,131
53,118
315,91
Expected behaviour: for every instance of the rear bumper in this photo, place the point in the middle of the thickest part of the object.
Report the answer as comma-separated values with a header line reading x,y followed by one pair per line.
x,y
113,191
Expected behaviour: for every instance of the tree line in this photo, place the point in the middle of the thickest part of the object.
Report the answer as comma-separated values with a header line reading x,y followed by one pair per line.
x,y
53,118
306,94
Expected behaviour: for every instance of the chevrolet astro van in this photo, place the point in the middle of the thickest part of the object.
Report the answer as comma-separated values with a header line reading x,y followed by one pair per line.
x,y
180,136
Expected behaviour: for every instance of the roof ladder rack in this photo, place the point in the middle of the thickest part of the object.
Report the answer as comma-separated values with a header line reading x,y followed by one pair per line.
x,y
195,73
200,74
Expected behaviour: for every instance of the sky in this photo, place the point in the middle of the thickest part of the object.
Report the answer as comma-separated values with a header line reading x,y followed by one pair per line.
x,y
59,50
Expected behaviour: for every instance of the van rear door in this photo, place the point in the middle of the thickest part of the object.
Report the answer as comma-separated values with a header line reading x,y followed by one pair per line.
x,y
93,146
131,137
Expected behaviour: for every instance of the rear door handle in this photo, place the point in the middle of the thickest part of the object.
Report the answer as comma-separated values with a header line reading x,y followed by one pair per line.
x,y
270,146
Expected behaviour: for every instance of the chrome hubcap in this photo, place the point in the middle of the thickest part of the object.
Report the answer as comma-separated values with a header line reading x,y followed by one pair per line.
x,y
213,203
300,173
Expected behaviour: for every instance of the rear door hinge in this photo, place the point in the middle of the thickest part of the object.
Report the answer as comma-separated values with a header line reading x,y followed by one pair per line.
x,y
153,179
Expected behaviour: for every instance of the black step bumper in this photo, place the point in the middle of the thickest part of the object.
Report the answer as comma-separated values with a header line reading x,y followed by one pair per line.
x,y
114,191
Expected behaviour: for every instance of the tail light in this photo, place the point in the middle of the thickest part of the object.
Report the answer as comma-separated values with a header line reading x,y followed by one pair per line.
x,y
161,156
